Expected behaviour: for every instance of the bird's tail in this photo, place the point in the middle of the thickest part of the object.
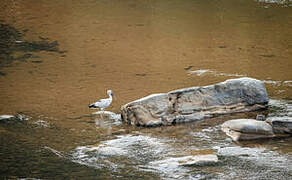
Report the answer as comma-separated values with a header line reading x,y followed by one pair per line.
x,y
91,106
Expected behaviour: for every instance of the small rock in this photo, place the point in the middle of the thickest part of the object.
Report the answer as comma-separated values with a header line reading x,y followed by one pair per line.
x,y
18,117
260,117
200,160
6,117
247,129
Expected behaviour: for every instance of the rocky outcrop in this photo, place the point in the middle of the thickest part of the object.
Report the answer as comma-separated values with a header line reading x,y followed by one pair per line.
x,y
197,103
247,129
281,125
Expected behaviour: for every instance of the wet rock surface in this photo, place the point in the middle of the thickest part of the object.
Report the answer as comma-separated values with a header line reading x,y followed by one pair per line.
x,y
280,117
125,149
197,103
146,155
256,163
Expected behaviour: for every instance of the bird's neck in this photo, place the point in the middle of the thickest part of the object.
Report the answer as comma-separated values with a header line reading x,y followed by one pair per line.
x,y
110,96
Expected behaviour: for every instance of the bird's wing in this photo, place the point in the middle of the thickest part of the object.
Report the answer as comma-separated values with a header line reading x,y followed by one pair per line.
x,y
96,104
101,102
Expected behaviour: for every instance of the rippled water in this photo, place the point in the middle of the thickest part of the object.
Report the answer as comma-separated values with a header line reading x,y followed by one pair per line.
x,y
56,57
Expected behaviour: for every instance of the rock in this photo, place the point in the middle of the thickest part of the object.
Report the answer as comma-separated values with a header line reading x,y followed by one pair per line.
x,y
247,129
281,125
197,103
199,160
261,117
6,117
17,117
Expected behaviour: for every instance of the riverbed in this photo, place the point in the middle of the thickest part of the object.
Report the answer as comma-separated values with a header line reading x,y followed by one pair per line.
x,y
56,57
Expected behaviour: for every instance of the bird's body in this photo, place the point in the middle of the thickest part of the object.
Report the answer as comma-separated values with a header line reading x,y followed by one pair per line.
x,y
103,103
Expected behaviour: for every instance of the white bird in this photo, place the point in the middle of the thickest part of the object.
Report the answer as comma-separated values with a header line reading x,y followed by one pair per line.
x,y
103,103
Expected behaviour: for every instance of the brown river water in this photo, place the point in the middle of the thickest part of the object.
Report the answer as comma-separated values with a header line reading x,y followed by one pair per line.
x,y
56,57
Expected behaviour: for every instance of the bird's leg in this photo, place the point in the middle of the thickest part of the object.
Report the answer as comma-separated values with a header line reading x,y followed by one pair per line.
x,y
101,114
109,130
97,122
102,119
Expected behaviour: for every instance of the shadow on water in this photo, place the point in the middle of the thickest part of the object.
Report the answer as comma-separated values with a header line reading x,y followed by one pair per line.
x,y
14,48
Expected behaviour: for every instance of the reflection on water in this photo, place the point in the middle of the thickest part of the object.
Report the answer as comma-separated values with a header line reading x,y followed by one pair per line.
x,y
58,56
13,48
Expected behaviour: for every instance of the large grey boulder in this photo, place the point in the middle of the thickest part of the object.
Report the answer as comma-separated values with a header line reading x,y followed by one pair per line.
x,y
197,103
247,129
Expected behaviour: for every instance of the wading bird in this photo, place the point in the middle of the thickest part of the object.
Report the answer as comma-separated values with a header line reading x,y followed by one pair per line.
x,y
103,103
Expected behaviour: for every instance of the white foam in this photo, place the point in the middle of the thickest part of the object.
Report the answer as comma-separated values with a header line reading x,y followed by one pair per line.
x,y
215,73
274,1
200,72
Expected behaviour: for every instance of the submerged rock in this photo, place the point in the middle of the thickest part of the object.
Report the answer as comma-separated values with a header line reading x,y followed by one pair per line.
x,y
197,103
247,129
137,149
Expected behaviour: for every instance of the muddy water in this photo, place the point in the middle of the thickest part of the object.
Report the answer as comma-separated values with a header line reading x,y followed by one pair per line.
x,y
59,56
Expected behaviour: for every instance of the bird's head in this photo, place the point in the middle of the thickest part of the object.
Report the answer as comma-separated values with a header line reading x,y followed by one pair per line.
x,y
110,92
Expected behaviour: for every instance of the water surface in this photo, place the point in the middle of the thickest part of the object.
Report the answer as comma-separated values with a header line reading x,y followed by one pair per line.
x,y
59,56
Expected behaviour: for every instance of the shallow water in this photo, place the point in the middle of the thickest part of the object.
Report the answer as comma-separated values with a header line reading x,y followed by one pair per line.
x,y
56,57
